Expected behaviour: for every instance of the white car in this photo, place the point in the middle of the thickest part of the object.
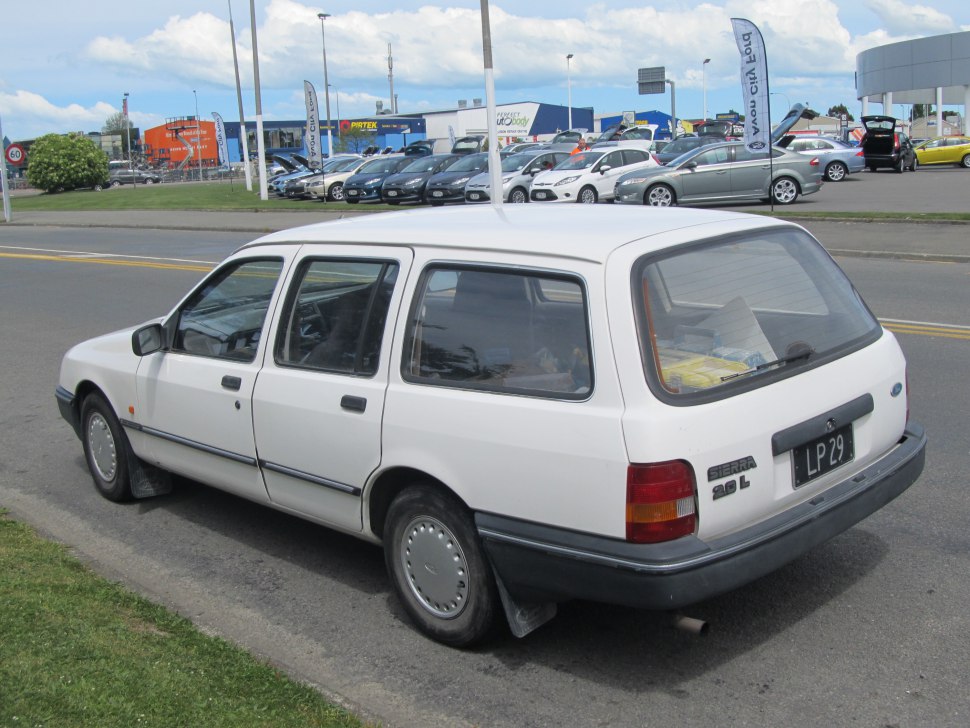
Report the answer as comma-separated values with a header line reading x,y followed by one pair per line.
x,y
588,176
330,186
518,411
518,171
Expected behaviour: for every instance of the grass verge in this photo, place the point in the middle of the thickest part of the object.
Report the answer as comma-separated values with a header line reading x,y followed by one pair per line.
x,y
76,650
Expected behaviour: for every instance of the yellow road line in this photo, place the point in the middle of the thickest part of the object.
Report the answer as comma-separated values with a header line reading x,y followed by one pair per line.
x,y
946,332
107,261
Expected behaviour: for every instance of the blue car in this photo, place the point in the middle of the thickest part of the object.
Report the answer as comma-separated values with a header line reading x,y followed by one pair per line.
x,y
838,159
365,186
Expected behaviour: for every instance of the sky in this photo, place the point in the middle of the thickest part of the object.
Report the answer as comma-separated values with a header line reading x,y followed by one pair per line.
x,y
66,67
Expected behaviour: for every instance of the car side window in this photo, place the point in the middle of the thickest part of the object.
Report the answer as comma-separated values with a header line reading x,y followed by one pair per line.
x,y
226,315
719,155
633,156
512,332
335,314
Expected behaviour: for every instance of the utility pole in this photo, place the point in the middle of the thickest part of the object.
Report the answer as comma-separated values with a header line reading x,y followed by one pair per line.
x,y
390,78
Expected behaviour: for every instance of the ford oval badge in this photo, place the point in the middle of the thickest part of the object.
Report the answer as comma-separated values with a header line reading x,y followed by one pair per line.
x,y
897,388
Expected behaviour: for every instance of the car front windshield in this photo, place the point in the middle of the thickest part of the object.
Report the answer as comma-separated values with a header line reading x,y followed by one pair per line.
x,y
516,162
424,164
580,160
379,166
470,163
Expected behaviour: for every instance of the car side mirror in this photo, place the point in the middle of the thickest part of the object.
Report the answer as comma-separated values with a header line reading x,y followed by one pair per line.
x,y
690,165
147,340
605,168
535,170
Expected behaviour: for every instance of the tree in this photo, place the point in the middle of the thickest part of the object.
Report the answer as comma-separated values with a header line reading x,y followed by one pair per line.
x,y
837,110
66,162
118,124
354,140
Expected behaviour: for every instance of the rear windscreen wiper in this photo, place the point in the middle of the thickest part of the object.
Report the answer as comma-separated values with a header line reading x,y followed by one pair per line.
x,y
800,352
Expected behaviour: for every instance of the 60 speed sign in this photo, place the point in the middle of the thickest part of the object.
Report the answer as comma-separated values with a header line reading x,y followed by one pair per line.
x,y
15,155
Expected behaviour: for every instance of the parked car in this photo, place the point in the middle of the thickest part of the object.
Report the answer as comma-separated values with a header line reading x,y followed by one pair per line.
x,y
945,150
518,171
589,176
409,184
330,184
837,158
725,172
365,185
885,147
621,135
685,144
118,177
419,148
449,185
521,406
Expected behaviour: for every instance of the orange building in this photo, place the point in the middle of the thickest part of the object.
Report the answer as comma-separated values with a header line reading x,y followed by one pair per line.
x,y
180,142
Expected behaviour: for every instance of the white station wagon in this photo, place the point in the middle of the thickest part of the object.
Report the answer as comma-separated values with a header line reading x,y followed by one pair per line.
x,y
644,407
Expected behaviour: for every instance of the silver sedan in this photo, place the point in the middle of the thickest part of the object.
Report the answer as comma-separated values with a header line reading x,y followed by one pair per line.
x,y
721,173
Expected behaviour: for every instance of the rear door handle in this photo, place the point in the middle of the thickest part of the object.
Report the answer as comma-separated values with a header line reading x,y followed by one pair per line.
x,y
355,404
233,383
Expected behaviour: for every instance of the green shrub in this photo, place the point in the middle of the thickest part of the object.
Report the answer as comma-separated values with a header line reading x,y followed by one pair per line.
x,y
65,162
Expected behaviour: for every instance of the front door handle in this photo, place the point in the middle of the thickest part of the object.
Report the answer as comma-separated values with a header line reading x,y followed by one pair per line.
x,y
232,383
355,404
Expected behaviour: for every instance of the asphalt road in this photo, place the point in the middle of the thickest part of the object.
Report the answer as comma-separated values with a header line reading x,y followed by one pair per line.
x,y
871,629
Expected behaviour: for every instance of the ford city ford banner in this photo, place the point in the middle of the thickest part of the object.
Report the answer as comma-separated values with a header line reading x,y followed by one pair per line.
x,y
221,140
312,137
754,85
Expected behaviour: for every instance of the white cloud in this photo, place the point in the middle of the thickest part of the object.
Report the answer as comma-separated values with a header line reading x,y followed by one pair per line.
x,y
899,18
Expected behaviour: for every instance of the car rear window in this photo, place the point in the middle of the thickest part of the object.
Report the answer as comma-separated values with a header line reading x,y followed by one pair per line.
x,y
739,312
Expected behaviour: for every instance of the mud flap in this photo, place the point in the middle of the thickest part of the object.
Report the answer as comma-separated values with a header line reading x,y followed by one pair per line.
x,y
146,480
524,618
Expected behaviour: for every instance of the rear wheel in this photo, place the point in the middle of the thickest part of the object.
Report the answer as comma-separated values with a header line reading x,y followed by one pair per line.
x,y
965,162
900,166
660,196
872,168
915,165
784,190
336,192
587,196
518,196
438,567
105,448
149,181
836,172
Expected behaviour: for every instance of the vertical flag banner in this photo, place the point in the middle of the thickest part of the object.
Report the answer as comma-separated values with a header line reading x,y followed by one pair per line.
x,y
221,140
312,138
754,84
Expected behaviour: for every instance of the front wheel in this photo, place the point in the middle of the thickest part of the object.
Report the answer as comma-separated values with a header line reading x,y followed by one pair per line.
x,y
149,181
336,192
587,196
660,196
784,190
105,449
438,568
518,196
965,162
836,172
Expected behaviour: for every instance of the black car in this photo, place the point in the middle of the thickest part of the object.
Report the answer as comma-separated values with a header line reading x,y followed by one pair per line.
x,y
408,184
449,186
365,186
885,147
684,144
120,177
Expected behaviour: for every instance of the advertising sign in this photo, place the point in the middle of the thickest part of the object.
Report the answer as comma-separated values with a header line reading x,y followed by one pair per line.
x,y
221,140
754,85
312,136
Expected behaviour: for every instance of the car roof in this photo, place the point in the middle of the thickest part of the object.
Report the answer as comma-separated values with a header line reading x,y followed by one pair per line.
x,y
582,232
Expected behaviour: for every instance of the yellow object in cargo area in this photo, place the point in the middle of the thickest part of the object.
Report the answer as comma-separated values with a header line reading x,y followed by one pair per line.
x,y
686,371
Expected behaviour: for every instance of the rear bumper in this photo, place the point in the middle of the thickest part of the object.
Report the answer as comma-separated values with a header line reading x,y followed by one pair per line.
x,y
538,563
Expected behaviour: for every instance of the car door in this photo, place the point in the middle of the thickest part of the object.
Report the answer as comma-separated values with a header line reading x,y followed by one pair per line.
x,y
710,178
604,180
194,399
319,401
750,172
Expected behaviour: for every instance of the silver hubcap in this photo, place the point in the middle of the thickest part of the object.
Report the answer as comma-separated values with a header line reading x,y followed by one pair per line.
x,y
337,192
101,443
587,197
435,567
836,172
659,197
518,196
785,191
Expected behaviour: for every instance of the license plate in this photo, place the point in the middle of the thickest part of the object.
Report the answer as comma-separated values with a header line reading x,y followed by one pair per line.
x,y
352,193
541,195
816,458
474,196
392,193
437,193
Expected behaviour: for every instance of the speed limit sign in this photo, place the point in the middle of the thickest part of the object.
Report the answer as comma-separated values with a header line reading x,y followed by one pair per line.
x,y
15,155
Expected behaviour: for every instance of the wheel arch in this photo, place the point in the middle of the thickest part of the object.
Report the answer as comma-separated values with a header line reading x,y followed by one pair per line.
x,y
388,485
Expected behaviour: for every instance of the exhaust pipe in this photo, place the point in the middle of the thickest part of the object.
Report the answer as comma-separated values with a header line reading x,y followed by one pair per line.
x,y
690,624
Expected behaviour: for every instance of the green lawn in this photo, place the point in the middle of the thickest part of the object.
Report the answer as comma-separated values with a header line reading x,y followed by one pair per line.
x,y
175,196
76,650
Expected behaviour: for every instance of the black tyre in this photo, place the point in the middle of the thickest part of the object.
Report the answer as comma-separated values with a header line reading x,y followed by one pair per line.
x,y
872,168
660,196
105,449
915,165
438,567
784,190
115,183
900,166
836,172
518,196
336,192
587,196
965,162
149,181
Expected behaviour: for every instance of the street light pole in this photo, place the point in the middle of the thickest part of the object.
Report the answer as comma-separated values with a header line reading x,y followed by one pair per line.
x,y
569,91
131,172
198,132
326,82
704,81
336,98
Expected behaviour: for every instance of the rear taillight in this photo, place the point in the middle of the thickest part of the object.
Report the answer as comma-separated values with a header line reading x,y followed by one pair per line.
x,y
814,162
860,153
660,502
